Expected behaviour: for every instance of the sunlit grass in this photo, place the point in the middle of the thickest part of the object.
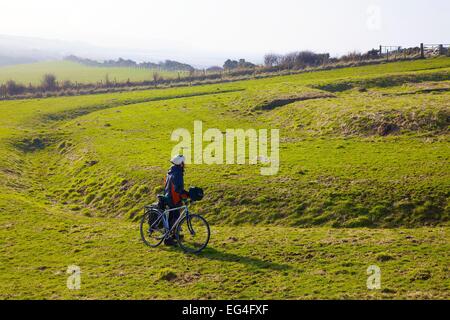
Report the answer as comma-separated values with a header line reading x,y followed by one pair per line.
x,y
70,165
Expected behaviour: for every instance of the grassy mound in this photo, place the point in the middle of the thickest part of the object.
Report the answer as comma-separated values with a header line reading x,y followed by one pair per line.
x,y
384,123
373,156
106,155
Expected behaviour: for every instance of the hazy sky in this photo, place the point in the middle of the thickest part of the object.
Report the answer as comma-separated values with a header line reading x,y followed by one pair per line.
x,y
238,27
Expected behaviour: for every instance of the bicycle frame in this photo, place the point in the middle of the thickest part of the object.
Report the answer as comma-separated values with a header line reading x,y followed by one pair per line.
x,y
164,216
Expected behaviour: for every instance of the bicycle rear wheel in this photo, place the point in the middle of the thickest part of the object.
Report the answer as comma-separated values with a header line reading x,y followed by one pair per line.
x,y
193,233
151,228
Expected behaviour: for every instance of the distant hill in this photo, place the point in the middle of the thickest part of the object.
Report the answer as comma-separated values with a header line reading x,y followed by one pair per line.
x,y
11,60
31,49
17,50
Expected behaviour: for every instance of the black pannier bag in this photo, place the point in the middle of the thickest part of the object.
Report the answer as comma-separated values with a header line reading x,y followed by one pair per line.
x,y
195,193
162,202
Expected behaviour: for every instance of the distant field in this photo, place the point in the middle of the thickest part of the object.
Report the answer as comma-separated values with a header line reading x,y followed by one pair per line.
x,y
75,72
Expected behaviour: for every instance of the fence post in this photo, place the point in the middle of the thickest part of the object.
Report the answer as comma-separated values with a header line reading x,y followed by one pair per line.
x,y
441,49
381,50
422,52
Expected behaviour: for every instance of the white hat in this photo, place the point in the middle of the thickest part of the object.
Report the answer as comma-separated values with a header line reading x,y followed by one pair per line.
x,y
177,160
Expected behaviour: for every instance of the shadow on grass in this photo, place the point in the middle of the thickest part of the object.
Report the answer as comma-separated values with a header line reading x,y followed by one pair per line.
x,y
214,254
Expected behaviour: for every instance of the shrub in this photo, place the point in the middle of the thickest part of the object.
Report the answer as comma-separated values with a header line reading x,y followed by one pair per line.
x,y
3,91
230,64
13,88
272,59
49,82
302,59
67,84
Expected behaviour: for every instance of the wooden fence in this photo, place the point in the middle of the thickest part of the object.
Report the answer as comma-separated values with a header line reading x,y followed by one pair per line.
x,y
423,50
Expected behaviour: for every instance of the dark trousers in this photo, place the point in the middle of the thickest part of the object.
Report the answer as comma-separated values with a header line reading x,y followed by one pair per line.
x,y
173,217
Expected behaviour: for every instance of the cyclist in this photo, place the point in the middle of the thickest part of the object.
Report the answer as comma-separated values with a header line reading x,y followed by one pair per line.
x,y
174,191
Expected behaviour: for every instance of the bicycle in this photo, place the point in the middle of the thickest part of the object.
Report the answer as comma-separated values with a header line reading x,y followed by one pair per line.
x,y
154,228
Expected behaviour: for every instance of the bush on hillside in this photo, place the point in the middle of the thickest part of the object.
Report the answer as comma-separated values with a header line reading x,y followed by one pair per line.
x,y
49,82
13,88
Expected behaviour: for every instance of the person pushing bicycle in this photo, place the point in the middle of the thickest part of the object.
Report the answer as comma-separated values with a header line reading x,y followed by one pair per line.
x,y
169,220
174,191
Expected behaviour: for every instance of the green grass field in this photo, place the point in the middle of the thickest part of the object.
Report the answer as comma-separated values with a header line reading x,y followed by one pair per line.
x,y
75,72
363,181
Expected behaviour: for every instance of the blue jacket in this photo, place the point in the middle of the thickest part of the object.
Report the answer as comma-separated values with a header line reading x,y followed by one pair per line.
x,y
174,188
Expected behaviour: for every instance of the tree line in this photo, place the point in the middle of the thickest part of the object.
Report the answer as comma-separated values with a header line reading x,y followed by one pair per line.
x,y
305,59
167,65
296,60
48,83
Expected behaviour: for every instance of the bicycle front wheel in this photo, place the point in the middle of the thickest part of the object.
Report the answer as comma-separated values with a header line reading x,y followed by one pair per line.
x,y
193,233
